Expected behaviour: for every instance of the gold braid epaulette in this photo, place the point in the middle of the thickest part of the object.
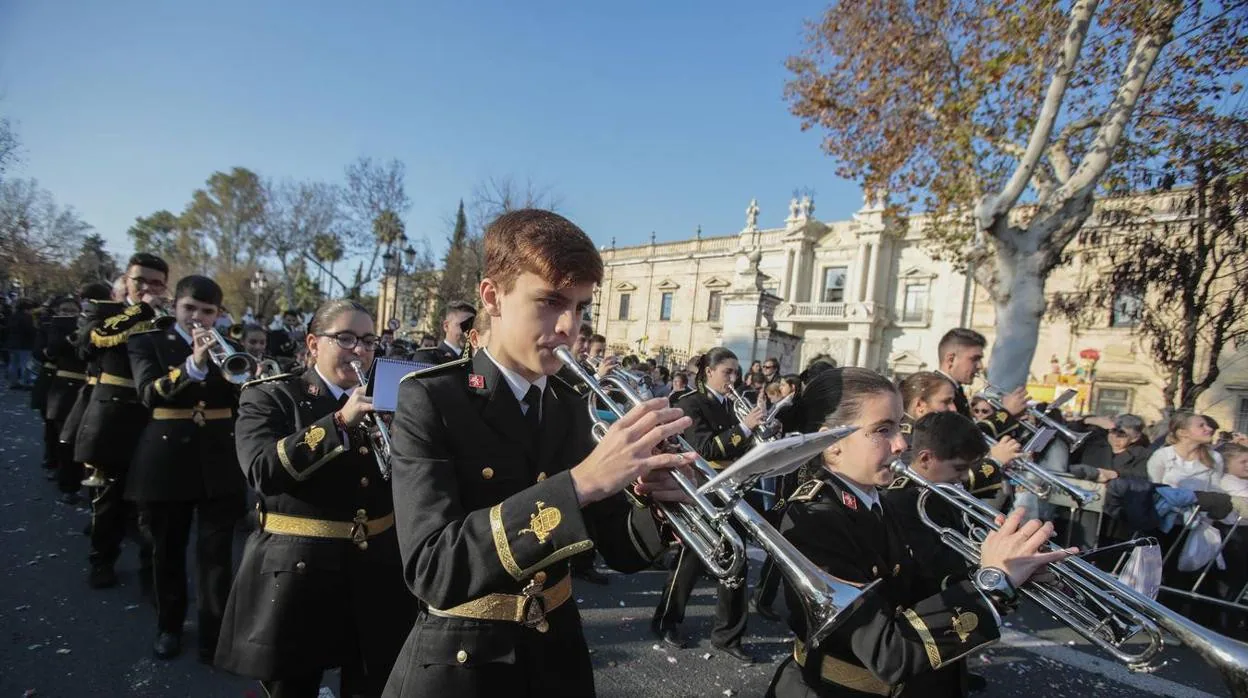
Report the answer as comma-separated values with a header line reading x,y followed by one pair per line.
x,y
434,369
270,379
115,330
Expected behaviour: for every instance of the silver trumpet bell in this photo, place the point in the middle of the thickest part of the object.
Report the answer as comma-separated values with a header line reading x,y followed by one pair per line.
x,y
1042,482
237,367
378,432
1093,603
704,527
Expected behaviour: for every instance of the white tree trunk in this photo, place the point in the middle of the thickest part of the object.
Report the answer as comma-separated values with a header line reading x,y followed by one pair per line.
x,y
1019,308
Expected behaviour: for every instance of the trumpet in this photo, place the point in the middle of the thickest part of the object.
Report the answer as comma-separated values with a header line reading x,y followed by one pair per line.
x,y
378,432
237,367
768,429
1043,481
704,527
1093,603
1074,439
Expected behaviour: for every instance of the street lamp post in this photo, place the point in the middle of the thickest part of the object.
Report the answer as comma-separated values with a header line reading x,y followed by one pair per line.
x,y
258,284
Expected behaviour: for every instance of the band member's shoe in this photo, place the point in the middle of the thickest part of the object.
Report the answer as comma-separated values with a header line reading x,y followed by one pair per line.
x,y
167,646
670,636
592,576
736,652
976,683
102,577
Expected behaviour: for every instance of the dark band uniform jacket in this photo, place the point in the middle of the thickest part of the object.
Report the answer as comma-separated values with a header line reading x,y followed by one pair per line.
x,y
114,417
716,434
937,566
986,479
186,452
42,319
443,353
902,631
487,518
70,372
321,581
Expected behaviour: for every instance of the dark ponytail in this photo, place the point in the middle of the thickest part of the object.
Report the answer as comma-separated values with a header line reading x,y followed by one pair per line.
x,y
711,359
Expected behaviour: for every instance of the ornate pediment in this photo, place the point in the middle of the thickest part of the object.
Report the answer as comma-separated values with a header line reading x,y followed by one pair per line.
x,y
716,282
668,285
917,274
906,362
625,286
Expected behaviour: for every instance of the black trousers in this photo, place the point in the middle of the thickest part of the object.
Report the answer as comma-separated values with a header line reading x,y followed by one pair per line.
x,y
51,439
768,584
730,607
68,472
169,524
112,517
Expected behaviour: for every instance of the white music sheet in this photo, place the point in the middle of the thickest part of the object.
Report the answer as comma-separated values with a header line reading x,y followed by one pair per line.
x,y
387,374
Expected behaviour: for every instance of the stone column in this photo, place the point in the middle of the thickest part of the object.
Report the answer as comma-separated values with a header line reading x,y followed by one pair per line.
x,y
851,353
860,272
872,270
864,352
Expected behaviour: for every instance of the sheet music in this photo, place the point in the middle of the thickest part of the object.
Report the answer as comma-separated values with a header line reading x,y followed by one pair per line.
x,y
384,384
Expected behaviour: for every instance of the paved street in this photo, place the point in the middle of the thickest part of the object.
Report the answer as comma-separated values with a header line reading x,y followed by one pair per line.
x,y
62,639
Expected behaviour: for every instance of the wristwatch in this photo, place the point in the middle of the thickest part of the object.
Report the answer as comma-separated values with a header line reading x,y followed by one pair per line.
x,y
996,585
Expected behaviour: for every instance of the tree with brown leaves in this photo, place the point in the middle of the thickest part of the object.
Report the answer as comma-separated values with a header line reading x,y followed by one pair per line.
x,y
1004,119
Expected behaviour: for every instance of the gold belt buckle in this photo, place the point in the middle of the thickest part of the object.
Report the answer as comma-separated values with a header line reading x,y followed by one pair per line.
x,y
359,529
197,413
534,609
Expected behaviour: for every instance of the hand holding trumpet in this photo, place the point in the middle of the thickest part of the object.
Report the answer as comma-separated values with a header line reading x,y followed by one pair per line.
x,y
630,453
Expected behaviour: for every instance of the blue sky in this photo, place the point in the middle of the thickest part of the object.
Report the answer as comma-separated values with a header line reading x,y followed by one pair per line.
x,y
649,116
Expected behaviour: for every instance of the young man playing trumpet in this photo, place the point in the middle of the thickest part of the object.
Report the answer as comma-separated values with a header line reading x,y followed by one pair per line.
x,y
185,463
497,482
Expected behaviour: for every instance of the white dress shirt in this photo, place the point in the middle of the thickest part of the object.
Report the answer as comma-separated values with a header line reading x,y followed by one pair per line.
x,y
519,386
336,393
870,496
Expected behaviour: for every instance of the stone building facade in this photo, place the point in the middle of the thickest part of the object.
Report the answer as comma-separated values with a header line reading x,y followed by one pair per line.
x,y
867,292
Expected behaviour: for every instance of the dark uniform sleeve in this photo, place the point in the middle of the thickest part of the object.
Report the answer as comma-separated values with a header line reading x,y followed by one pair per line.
x,y
275,452
452,555
894,641
1000,424
711,443
157,384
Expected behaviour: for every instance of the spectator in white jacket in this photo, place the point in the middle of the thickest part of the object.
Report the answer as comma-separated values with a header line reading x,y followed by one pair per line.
x,y
1188,459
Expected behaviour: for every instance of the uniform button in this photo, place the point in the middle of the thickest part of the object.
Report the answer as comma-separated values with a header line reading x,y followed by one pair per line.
x,y
875,571
461,656
301,565
363,450
541,476
364,482
540,577
487,472
363,545
361,513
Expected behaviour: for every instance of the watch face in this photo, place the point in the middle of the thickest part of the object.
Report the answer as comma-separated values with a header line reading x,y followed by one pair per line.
x,y
989,577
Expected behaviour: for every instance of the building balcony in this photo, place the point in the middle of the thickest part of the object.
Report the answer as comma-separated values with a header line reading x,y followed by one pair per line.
x,y
825,312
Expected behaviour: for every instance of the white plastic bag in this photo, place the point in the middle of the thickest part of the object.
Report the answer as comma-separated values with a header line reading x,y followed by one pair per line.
x,y
1143,570
1200,546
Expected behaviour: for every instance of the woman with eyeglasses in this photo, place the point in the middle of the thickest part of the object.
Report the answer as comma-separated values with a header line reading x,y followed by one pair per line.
x,y
907,625
321,581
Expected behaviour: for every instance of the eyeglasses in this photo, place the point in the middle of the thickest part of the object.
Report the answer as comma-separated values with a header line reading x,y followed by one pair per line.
x,y
155,284
347,340
770,366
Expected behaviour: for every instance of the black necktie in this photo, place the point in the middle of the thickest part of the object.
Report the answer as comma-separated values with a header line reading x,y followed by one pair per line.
x,y
342,400
533,399
877,510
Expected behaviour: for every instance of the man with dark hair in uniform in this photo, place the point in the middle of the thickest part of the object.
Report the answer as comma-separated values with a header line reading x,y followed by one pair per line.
x,y
114,417
961,359
192,426
497,482
456,322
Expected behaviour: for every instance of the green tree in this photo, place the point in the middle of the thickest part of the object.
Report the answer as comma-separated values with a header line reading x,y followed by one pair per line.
x,y
35,231
168,237
327,250
458,279
1004,117
230,213
93,263
296,215
374,200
